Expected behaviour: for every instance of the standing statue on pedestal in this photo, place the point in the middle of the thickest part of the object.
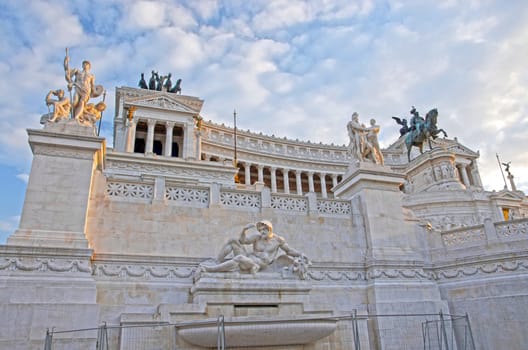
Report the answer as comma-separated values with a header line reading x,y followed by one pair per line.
x,y
364,145
356,132
266,245
510,176
84,83
374,150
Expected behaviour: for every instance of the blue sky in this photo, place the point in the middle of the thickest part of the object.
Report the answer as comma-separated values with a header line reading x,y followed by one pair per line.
x,y
290,68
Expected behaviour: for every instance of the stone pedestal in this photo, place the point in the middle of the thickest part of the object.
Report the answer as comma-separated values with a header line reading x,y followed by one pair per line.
x,y
65,155
377,189
396,281
49,282
47,288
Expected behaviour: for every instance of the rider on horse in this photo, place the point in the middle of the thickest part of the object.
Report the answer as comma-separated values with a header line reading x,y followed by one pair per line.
x,y
417,121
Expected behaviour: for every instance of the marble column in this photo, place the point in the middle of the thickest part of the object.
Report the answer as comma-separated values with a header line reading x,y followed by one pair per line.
x,y
475,174
286,180
247,173
260,173
273,180
334,180
298,182
169,127
311,187
149,147
131,135
322,179
463,172
198,134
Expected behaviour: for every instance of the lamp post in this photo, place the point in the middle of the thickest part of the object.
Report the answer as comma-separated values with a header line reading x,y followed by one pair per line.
x,y
235,161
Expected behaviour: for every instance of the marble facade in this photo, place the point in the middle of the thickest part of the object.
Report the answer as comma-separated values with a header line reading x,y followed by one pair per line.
x,y
116,235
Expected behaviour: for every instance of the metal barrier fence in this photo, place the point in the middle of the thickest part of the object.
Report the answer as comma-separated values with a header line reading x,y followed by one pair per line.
x,y
139,337
439,332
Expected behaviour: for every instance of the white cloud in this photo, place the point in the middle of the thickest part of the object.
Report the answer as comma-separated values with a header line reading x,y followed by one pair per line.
x,y
23,177
146,15
282,13
205,8
475,30
290,68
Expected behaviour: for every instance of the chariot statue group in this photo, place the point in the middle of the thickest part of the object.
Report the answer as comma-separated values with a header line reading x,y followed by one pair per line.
x,y
159,82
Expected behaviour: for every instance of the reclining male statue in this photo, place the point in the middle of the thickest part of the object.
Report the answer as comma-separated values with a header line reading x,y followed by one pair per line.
x,y
266,246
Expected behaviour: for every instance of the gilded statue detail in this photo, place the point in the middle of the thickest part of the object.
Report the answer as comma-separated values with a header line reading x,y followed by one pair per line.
x,y
61,105
82,81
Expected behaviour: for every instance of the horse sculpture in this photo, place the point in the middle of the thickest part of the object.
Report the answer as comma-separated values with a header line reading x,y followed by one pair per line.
x,y
426,131
177,88
153,80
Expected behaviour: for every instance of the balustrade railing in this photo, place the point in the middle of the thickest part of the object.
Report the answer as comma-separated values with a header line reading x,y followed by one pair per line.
x,y
478,234
203,197
138,191
289,203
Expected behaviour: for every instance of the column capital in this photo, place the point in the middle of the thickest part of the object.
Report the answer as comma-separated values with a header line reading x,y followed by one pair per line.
x,y
151,122
169,124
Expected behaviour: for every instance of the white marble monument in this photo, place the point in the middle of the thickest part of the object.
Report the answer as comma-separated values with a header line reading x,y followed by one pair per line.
x,y
373,247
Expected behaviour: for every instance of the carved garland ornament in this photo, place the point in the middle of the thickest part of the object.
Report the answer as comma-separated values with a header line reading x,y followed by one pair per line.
x,y
143,272
468,271
44,265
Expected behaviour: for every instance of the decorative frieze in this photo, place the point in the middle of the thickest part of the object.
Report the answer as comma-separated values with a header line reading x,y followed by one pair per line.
x,y
336,276
401,273
505,266
52,150
461,237
142,272
44,264
509,229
